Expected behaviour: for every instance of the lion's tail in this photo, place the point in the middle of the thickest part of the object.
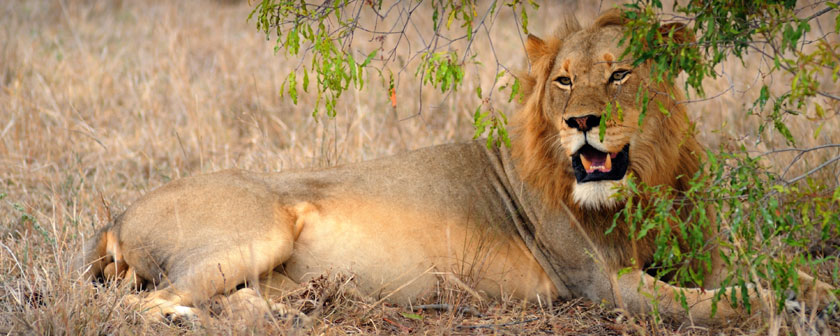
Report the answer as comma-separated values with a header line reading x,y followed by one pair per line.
x,y
100,257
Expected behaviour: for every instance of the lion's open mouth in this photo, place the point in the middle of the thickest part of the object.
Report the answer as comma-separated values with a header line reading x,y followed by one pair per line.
x,y
591,164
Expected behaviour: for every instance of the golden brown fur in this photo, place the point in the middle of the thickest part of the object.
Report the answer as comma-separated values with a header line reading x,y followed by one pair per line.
x,y
496,223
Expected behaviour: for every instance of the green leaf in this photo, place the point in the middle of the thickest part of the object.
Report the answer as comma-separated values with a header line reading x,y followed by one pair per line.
x,y
292,79
435,18
662,109
368,59
763,96
602,126
837,24
412,316
514,90
834,197
819,110
624,271
500,74
523,15
305,80
783,129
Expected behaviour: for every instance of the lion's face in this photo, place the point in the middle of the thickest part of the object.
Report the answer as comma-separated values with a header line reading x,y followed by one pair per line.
x,y
586,77
579,82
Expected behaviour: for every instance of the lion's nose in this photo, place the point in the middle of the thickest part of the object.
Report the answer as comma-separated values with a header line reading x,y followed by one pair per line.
x,y
584,123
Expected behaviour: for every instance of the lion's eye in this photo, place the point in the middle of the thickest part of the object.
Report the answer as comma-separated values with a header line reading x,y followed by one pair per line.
x,y
563,80
618,75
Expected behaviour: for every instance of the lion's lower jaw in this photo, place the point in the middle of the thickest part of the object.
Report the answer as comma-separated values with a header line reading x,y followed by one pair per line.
x,y
597,194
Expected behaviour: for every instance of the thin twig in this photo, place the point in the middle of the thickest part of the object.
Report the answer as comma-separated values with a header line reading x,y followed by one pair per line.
x,y
820,13
828,95
802,152
823,165
731,86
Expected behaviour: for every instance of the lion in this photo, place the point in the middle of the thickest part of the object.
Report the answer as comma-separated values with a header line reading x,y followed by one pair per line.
x,y
525,222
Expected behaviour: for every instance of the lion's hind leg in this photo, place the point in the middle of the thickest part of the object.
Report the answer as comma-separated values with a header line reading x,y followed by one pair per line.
x,y
194,281
244,305
217,266
176,299
203,236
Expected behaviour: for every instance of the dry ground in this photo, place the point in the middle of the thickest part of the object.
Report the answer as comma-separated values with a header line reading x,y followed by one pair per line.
x,y
103,101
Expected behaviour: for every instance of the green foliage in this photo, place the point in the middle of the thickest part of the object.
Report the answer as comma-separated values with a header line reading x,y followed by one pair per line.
x,y
26,221
609,114
322,36
723,30
297,24
463,10
766,222
441,70
523,13
760,219
412,316
493,121
494,125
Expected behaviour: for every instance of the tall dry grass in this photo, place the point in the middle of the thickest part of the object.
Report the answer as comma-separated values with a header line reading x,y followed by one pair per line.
x,y
103,101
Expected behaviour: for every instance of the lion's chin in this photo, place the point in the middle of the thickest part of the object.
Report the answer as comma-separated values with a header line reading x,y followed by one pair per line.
x,y
597,195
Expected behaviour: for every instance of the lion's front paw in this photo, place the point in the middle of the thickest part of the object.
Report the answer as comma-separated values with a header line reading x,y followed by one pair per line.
x,y
161,310
814,295
819,295
291,316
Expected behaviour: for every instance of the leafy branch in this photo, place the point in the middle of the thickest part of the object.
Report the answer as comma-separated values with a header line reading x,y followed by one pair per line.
x,y
323,35
770,28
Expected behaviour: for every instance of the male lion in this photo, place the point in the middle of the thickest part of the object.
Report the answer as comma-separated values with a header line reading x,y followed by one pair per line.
x,y
527,223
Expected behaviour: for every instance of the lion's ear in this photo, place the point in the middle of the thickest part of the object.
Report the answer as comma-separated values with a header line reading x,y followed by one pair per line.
x,y
681,33
535,48
540,55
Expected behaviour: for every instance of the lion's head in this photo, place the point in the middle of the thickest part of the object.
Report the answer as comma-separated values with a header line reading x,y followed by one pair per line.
x,y
574,79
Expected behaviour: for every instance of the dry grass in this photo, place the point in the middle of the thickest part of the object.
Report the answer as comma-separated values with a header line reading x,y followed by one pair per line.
x,y
102,101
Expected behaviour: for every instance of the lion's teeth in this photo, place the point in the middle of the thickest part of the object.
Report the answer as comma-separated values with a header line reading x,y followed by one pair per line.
x,y
587,165
607,164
